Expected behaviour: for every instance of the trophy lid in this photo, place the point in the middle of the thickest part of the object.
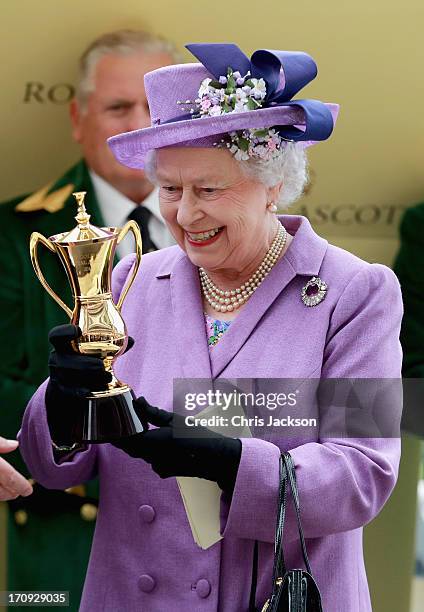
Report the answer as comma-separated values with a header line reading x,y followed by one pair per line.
x,y
84,230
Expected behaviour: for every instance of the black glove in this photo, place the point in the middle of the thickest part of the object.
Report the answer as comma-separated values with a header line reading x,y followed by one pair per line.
x,y
72,378
171,452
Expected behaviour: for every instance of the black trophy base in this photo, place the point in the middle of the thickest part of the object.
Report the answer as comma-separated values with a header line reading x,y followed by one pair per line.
x,y
108,417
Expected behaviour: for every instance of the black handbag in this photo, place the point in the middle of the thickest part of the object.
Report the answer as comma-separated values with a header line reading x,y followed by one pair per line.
x,y
292,590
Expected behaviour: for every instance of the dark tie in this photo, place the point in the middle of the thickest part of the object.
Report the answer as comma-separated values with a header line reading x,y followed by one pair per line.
x,y
141,215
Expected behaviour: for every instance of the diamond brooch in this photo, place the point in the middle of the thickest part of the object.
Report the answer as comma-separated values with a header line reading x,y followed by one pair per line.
x,y
314,291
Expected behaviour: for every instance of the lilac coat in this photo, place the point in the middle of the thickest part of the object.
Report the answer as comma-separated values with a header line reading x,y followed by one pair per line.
x,y
143,556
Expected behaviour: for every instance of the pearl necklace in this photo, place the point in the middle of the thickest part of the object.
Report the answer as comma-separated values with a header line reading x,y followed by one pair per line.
x,y
226,301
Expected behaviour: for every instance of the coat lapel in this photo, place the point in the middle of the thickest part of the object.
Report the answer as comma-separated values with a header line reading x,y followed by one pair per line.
x,y
304,256
61,217
249,317
189,321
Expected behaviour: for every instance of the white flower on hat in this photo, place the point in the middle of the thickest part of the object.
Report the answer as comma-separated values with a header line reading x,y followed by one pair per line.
x,y
240,107
260,151
214,111
240,94
204,87
239,154
259,89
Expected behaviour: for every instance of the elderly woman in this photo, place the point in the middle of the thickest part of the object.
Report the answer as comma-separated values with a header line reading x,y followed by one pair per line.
x,y
276,301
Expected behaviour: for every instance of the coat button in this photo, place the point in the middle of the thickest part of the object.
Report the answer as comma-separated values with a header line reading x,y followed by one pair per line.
x,y
147,513
21,517
146,583
88,512
203,588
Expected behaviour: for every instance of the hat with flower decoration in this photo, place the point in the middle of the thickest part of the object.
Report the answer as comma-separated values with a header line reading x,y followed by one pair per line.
x,y
229,100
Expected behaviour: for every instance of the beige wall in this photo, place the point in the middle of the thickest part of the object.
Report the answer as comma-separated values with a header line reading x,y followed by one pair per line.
x,y
370,57
369,54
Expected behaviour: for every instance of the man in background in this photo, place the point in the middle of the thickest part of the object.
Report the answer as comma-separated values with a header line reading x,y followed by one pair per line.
x,y
50,532
409,267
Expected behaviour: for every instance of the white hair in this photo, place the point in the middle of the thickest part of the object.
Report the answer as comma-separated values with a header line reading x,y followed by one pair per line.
x,y
290,168
119,42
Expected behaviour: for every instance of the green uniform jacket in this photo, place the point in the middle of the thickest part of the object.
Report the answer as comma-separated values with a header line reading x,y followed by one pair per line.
x,y
48,540
409,267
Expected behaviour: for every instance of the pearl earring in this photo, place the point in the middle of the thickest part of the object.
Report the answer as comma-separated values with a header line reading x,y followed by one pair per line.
x,y
272,207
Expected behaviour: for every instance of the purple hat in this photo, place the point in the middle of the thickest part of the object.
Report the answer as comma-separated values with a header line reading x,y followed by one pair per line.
x,y
228,93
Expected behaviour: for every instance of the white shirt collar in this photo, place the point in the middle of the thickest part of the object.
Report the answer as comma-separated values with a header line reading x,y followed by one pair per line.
x,y
114,206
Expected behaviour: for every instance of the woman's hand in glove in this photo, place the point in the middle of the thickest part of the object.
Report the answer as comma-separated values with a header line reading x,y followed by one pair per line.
x,y
177,449
72,377
73,374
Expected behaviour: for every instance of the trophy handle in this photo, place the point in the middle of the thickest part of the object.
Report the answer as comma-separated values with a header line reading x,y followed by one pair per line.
x,y
33,247
130,226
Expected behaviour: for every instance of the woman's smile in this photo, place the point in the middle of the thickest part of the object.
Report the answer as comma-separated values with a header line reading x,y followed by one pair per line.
x,y
203,238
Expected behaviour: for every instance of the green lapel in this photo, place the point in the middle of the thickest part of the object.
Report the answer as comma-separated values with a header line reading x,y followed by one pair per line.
x,y
64,219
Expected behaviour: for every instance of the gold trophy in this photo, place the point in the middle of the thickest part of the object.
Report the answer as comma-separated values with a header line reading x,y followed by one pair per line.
x,y
87,254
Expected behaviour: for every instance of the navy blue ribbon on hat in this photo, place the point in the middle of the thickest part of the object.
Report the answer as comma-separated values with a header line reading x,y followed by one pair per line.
x,y
299,69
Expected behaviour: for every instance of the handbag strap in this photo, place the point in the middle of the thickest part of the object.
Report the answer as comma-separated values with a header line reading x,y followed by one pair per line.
x,y
287,479
252,597
279,563
291,473
287,476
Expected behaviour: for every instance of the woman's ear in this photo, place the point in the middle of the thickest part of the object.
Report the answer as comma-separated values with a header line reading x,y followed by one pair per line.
x,y
274,192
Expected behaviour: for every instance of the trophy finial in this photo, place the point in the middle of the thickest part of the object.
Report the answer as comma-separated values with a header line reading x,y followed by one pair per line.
x,y
84,230
82,216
